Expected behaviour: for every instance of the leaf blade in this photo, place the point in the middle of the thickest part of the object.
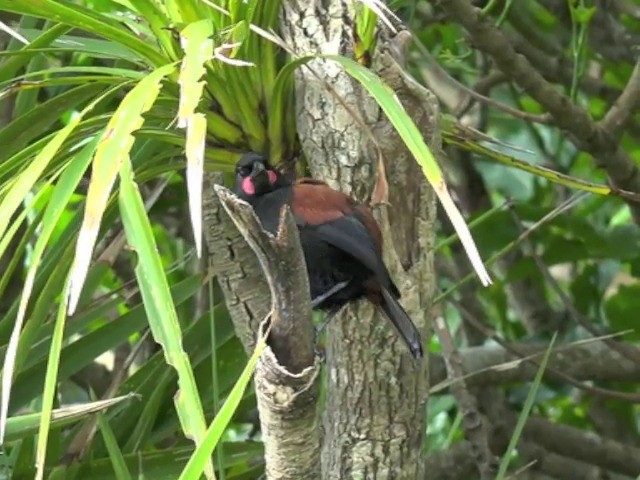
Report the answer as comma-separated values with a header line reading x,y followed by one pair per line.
x,y
113,150
163,319
406,128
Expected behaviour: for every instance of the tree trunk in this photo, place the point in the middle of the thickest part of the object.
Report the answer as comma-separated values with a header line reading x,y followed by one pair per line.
x,y
374,419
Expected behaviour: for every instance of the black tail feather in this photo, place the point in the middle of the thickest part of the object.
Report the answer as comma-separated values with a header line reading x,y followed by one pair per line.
x,y
403,323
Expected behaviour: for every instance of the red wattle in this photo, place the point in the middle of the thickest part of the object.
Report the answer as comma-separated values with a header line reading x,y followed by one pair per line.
x,y
247,186
272,176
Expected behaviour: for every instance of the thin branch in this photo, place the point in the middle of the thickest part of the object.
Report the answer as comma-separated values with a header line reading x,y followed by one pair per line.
x,y
585,133
475,428
456,463
624,107
559,210
584,446
630,353
282,262
444,76
231,260
485,365
552,372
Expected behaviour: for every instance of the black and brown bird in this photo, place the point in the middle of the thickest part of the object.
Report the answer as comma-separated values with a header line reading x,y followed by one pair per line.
x,y
340,238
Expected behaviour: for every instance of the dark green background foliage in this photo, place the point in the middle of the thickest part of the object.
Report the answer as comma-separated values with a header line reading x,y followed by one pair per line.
x,y
545,202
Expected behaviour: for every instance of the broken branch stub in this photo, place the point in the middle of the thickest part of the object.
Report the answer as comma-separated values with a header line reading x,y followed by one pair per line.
x,y
286,376
282,262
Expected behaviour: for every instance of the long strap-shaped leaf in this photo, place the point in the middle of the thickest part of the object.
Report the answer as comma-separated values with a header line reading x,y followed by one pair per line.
x,y
219,424
405,127
412,137
113,150
161,312
86,19
16,194
198,49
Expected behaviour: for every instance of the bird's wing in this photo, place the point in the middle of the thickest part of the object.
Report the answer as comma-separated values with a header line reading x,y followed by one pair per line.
x,y
338,220
349,235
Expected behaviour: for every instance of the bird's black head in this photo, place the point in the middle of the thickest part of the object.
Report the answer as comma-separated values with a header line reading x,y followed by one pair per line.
x,y
255,177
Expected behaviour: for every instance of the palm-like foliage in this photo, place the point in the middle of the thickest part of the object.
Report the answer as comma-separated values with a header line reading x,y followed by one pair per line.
x,y
111,101
132,88
137,69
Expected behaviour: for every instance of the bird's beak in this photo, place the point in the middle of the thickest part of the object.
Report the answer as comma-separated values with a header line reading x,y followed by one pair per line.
x,y
258,172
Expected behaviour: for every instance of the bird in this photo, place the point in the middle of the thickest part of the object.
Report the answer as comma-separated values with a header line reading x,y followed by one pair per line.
x,y
340,239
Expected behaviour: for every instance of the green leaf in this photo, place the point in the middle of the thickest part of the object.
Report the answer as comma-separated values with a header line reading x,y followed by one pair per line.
x,y
621,310
526,410
196,138
9,67
149,380
280,98
93,47
112,152
115,454
198,49
158,21
584,14
118,73
24,426
86,19
166,464
203,452
10,203
33,123
159,306
50,385
82,352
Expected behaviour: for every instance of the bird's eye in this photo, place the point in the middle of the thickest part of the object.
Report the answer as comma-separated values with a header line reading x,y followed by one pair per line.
x,y
244,171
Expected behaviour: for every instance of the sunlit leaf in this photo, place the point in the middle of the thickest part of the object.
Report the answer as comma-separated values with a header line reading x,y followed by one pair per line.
x,y
84,18
50,385
196,136
19,190
23,426
160,309
198,48
203,452
113,150
196,42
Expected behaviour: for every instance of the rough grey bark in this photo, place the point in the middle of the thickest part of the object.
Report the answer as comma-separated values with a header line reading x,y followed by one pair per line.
x,y
235,265
262,273
288,419
488,365
374,422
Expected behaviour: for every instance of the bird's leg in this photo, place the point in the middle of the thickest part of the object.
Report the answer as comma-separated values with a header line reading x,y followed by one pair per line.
x,y
316,302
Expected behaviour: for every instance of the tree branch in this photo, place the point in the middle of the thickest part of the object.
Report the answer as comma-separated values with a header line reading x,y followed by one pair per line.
x,y
374,420
475,426
493,365
625,106
584,446
586,134
286,378
456,463
235,265
292,334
